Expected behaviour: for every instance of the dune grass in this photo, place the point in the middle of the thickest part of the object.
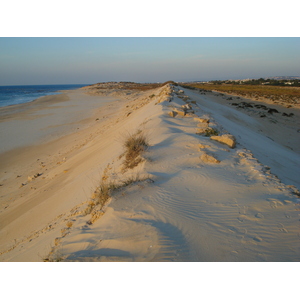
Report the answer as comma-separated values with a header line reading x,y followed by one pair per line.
x,y
135,145
104,192
100,196
211,132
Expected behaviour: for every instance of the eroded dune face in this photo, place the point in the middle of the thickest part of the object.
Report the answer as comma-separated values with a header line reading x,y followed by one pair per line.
x,y
187,195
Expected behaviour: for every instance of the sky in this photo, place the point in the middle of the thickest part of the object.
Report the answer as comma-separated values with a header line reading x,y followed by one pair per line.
x,y
104,56
85,60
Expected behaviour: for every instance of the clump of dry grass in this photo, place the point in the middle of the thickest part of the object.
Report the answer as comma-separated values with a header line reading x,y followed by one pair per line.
x,y
135,145
103,193
211,132
69,224
99,199
135,178
100,196
54,257
208,132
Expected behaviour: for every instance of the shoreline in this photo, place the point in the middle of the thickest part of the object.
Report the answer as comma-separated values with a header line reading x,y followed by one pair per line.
x,y
47,118
197,188
52,160
67,168
21,94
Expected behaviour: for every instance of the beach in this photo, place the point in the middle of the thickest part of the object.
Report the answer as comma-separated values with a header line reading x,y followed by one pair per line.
x,y
191,196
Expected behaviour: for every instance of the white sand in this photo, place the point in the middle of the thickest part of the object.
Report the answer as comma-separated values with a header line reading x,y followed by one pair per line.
x,y
241,209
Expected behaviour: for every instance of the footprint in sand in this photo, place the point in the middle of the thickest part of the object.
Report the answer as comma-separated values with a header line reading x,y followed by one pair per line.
x,y
243,210
281,228
274,203
259,215
241,218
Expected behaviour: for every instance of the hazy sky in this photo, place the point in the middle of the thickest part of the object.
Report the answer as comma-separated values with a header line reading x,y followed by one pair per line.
x,y
90,60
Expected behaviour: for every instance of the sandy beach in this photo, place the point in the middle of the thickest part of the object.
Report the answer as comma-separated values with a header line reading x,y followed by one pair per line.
x,y
193,196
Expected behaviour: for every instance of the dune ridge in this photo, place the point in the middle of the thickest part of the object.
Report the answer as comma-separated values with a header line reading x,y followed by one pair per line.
x,y
191,197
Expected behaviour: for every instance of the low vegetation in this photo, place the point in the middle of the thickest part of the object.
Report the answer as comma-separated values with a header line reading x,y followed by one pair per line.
x,y
125,85
100,196
53,257
275,93
208,132
95,206
135,178
135,145
291,81
104,192
211,132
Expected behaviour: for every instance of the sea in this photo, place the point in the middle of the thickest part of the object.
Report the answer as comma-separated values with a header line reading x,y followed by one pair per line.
x,y
17,94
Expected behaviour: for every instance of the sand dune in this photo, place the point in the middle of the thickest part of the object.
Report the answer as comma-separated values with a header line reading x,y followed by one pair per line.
x,y
194,199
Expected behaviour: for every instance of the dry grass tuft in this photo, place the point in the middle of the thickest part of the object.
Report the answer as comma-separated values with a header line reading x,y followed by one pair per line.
x,y
211,132
54,257
134,145
103,193
69,224
100,196
208,132
99,199
135,178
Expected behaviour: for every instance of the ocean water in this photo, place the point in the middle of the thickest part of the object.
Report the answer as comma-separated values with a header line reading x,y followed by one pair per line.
x,y
11,95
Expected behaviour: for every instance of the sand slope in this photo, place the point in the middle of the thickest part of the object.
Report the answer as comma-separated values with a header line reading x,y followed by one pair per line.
x,y
200,199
